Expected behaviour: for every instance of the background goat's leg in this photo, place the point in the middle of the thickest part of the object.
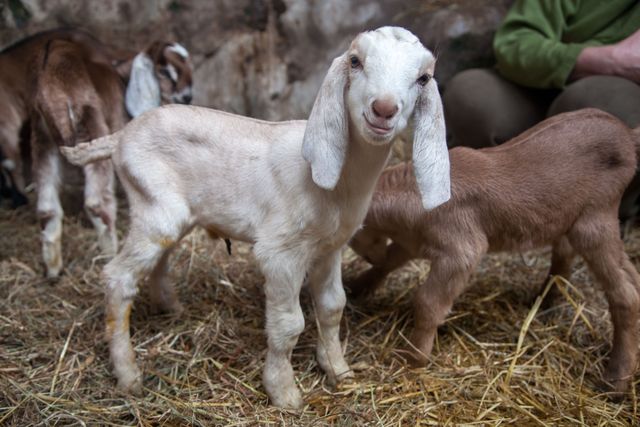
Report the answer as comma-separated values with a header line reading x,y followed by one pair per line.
x,y
562,256
99,197
284,273
370,280
10,146
162,292
602,249
325,283
46,168
100,203
447,279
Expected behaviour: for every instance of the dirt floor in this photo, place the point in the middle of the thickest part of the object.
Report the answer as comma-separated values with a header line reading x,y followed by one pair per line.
x,y
489,367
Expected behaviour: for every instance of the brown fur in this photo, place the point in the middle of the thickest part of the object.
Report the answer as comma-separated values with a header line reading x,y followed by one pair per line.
x,y
74,99
559,183
19,61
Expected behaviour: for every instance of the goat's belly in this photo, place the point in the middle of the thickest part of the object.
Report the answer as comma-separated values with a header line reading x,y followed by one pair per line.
x,y
239,232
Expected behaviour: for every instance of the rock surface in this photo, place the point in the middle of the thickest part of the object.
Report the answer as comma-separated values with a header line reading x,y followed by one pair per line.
x,y
266,58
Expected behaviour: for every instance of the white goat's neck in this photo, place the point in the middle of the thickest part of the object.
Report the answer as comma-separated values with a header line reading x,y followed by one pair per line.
x,y
362,167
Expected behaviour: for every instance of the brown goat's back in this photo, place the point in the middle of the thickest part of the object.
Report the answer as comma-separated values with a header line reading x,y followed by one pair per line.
x,y
526,191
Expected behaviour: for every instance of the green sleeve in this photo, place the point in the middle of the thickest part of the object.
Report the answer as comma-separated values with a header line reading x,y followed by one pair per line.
x,y
528,45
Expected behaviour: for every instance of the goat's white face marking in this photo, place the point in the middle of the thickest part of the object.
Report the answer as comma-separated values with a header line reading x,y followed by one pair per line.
x,y
386,67
173,74
180,50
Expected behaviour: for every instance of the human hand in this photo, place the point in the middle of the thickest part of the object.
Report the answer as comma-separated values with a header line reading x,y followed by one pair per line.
x,y
625,56
619,59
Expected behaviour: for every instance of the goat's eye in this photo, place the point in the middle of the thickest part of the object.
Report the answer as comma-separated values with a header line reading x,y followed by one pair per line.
x,y
355,62
423,79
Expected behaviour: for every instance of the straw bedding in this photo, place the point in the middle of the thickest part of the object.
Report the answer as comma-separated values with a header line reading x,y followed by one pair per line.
x,y
497,360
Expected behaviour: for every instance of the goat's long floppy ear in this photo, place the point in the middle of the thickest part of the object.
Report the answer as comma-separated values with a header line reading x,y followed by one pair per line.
x,y
326,136
430,154
143,90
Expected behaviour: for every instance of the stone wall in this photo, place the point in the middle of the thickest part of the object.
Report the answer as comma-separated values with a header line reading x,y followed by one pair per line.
x,y
266,58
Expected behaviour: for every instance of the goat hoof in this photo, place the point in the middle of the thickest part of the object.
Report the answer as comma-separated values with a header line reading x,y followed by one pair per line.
x,y
52,276
131,385
289,398
413,358
342,378
616,387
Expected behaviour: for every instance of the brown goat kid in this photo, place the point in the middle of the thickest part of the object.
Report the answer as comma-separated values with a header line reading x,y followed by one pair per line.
x,y
160,74
70,88
74,99
560,183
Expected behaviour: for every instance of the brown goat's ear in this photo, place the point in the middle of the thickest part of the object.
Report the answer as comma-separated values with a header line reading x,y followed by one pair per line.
x,y
143,89
430,153
326,136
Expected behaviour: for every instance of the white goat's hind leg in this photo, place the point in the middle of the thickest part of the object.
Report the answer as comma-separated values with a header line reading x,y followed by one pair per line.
x,y
137,257
284,273
325,283
150,236
49,210
163,294
100,203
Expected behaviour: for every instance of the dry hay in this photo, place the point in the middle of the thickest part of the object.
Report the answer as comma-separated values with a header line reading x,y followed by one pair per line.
x,y
204,368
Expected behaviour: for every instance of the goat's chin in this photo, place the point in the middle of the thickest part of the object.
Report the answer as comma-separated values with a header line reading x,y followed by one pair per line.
x,y
376,138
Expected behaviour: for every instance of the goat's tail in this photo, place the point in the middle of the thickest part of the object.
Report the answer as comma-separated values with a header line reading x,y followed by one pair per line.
x,y
87,152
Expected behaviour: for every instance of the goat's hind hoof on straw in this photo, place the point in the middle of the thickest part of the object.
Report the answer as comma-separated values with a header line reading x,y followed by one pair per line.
x,y
131,386
615,388
290,399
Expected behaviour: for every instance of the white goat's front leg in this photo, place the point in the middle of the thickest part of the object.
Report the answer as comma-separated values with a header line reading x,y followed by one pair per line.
x,y
47,171
325,283
100,203
284,272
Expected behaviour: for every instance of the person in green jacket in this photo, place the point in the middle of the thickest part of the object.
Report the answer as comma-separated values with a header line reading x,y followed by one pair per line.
x,y
552,56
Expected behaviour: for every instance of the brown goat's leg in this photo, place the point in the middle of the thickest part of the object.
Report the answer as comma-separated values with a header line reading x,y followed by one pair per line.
x,y
562,256
100,203
47,170
367,282
621,282
162,292
434,300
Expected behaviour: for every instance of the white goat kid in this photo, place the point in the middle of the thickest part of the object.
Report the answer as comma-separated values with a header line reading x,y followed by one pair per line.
x,y
296,190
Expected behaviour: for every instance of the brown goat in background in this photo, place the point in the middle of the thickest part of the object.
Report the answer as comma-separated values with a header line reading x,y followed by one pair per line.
x,y
70,88
161,73
560,183
74,99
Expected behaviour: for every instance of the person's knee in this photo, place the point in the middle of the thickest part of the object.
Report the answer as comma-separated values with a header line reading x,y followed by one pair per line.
x,y
615,95
483,109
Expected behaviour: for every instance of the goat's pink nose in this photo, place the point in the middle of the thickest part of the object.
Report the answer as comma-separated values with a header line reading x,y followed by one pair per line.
x,y
385,108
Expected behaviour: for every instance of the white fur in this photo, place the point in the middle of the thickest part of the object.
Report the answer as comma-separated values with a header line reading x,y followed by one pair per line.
x,y
143,90
173,74
9,164
248,180
179,49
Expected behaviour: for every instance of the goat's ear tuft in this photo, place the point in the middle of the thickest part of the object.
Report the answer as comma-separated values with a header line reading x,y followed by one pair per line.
x,y
326,136
143,90
430,154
